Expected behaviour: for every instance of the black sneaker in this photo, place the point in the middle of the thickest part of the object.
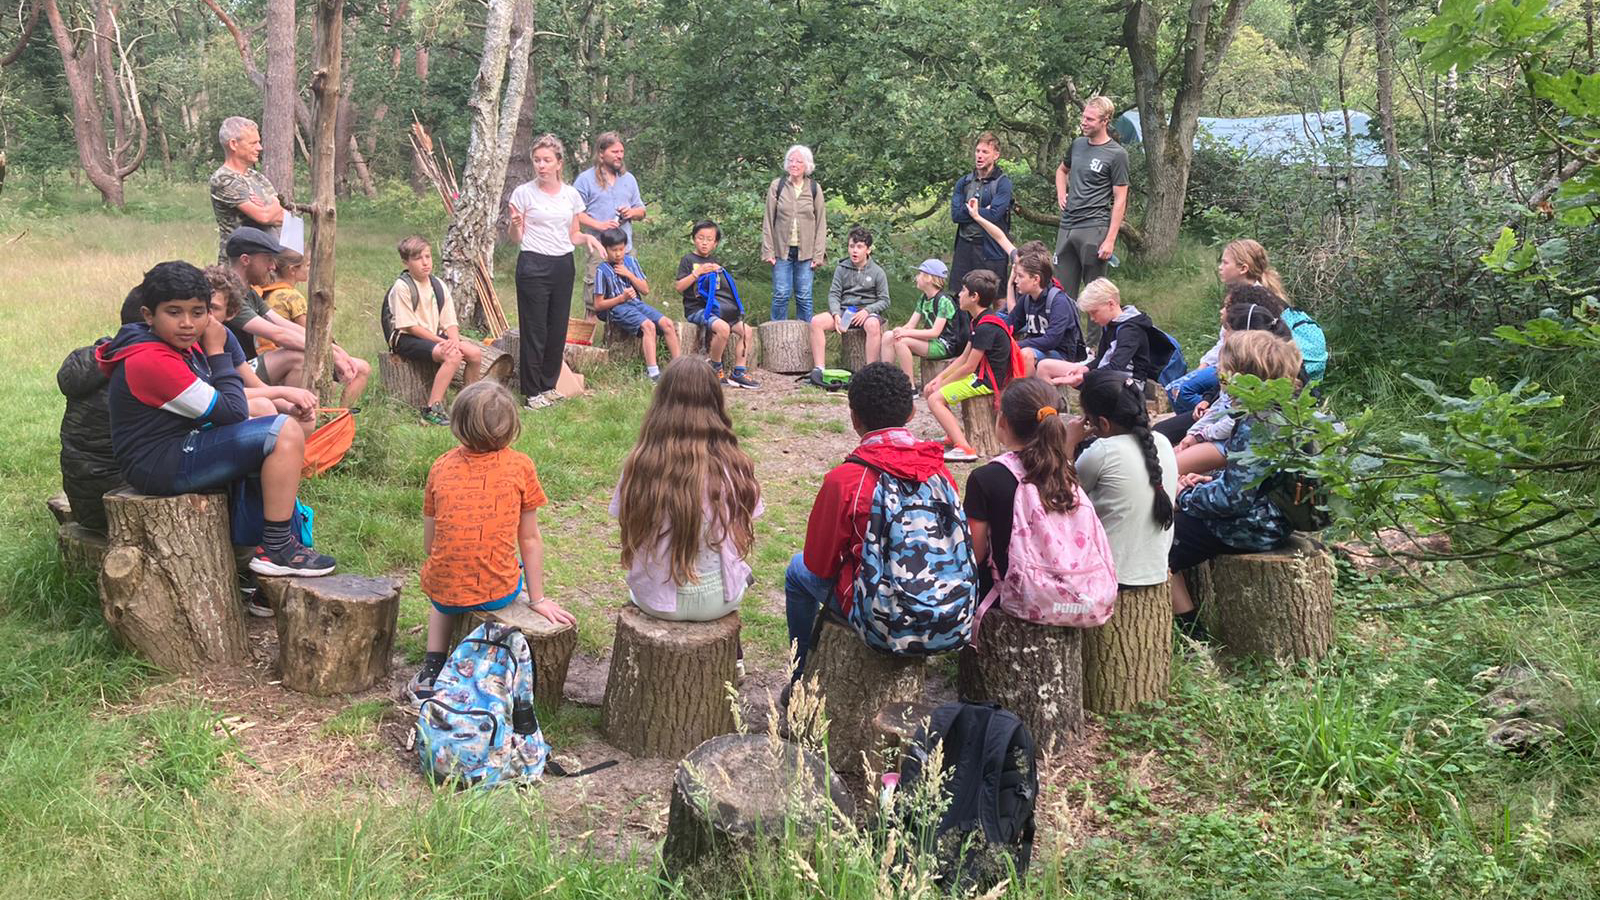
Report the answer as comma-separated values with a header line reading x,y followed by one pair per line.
x,y
256,605
295,559
740,378
816,378
420,687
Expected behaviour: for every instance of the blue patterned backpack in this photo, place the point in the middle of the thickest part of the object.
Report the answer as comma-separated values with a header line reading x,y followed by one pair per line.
x,y
479,727
917,586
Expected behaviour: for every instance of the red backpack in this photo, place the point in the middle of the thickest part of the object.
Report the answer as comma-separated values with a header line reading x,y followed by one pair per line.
x,y
985,371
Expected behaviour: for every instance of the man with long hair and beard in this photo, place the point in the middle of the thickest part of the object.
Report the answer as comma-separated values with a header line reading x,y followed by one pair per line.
x,y
611,197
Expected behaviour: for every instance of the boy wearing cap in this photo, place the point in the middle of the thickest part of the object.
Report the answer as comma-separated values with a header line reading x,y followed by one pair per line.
x,y
857,298
936,329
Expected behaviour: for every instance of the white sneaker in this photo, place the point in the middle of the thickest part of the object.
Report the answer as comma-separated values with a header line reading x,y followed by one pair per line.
x,y
538,401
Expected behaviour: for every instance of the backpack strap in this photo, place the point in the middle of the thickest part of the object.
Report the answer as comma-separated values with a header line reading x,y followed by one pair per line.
x,y
560,771
438,293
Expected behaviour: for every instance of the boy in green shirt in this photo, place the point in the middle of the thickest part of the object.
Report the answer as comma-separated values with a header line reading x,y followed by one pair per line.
x,y
937,329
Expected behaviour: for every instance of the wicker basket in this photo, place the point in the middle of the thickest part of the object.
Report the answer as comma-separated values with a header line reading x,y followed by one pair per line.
x,y
581,331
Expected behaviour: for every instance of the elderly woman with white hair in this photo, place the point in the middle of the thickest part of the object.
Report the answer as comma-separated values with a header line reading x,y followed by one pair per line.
x,y
794,233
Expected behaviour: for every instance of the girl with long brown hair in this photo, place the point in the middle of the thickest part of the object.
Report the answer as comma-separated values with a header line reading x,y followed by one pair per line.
x,y
687,502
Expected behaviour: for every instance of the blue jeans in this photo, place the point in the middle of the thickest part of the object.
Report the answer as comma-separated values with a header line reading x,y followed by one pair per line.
x,y
792,277
1185,393
210,459
803,594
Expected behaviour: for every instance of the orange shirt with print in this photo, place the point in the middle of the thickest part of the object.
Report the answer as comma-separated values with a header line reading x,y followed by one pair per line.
x,y
476,501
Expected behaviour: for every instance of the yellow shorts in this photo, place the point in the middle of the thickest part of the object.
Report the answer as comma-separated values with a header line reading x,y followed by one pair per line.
x,y
957,391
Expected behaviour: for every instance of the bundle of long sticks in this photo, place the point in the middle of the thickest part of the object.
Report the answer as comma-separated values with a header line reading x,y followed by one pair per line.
x,y
438,170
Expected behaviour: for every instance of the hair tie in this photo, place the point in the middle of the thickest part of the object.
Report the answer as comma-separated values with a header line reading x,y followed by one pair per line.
x,y
1045,412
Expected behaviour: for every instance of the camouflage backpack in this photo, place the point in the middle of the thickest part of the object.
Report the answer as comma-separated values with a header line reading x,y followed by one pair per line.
x,y
917,586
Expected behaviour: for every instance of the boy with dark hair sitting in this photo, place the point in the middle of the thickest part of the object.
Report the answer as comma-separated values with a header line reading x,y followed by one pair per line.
x,y
858,297
983,370
422,325
823,574
619,285
711,300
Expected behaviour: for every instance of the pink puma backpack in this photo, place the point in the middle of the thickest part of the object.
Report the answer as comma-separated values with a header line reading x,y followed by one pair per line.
x,y
1060,570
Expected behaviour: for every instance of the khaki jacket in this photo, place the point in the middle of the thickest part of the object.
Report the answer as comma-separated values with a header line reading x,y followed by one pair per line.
x,y
776,224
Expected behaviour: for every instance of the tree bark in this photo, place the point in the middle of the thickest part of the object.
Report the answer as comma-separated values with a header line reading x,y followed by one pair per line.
x,y
1036,671
785,346
335,633
978,421
855,682
81,548
325,88
407,380
419,178
1277,604
280,96
167,587
552,647
694,339
734,792
1383,42
665,693
1128,660
507,42
93,83
853,350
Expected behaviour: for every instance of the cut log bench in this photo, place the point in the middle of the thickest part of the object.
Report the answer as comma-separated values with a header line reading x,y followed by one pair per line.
x,y
410,380
1036,671
856,682
694,340
552,646
1277,604
168,585
978,421
81,548
928,370
666,691
60,508
335,633
785,346
1128,660
852,350
893,729
736,793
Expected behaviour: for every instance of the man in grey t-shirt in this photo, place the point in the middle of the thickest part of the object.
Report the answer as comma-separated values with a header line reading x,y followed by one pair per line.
x,y
1092,191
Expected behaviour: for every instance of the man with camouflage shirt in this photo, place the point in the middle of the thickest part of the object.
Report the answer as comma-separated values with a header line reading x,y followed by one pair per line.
x,y
240,194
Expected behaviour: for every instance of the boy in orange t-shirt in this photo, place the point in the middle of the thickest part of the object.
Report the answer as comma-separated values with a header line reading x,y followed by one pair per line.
x,y
480,508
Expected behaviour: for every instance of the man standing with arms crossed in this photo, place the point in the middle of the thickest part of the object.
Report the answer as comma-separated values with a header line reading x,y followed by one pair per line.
x,y
240,194
1092,191
992,188
611,200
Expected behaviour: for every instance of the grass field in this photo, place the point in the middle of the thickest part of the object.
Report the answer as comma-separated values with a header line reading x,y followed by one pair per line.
x,y
1364,775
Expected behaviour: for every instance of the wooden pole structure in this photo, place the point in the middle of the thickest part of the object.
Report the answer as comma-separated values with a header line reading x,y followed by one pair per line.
x,y
326,78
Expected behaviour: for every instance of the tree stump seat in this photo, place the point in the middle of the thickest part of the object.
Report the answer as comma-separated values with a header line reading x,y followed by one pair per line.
x,y
978,421
928,370
60,507
411,380
584,358
695,339
335,633
856,682
785,346
893,729
666,690
1036,671
1277,604
1128,660
732,794
552,646
852,349
81,548
168,584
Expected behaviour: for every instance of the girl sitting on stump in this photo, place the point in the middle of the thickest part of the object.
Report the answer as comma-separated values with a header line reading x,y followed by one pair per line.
x,y
180,422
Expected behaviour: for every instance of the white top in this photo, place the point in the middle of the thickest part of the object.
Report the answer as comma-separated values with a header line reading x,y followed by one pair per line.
x,y
1111,470
547,218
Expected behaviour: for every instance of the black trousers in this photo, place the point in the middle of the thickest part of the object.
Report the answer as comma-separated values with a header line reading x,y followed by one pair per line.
x,y
968,256
1174,428
544,302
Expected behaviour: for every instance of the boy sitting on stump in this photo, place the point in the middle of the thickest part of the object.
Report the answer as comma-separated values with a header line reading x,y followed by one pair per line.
x,y
857,298
421,325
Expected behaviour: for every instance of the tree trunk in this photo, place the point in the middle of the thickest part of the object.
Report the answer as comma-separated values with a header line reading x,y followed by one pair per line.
x,y
325,88
785,346
419,178
855,682
1128,660
507,42
696,340
343,142
1383,41
168,584
1036,671
278,108
736,791
666,691
853,350
407,380
335,633
978,421
93,83
552,647
80,548
1277,604
894,730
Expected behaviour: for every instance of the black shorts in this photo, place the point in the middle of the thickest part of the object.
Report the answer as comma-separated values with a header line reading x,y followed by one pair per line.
x,y
412,347
1193,543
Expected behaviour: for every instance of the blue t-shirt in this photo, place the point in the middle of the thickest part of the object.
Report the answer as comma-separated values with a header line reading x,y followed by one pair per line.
x,y
607,283
603,204
235,351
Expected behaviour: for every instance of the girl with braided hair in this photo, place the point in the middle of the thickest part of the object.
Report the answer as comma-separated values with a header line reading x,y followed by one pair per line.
x,y
1130,474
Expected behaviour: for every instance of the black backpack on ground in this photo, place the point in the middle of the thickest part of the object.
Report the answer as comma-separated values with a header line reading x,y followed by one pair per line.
x,y
991,785
386,317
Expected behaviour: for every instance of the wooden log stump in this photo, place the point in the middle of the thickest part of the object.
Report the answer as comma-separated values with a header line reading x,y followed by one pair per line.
x,y
584,358
510,344
1277,604
167,586
852,350
60,508
785,346
407,380
1036,671
80,548
733,794
665,692
696,341
552,646
978,420
497,365
1128,660
893,729
928,370
335,633
856,682
619,346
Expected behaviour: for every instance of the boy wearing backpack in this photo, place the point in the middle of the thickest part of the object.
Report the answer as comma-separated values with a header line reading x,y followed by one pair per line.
x,y
841,527
989,363
711,300
420,323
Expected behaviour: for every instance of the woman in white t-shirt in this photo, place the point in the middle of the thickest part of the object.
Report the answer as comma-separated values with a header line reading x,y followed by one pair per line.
x,y
545,216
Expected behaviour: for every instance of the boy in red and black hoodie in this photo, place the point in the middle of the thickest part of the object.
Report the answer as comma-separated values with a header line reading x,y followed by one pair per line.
x,y
180,421
824,573
991,360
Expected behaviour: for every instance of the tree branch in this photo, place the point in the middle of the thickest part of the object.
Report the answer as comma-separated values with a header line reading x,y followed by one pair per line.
x,y
22,39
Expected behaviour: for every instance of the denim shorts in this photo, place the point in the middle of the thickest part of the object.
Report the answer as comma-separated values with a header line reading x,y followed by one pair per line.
x,y
700,318
485,606
213,458
630,316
